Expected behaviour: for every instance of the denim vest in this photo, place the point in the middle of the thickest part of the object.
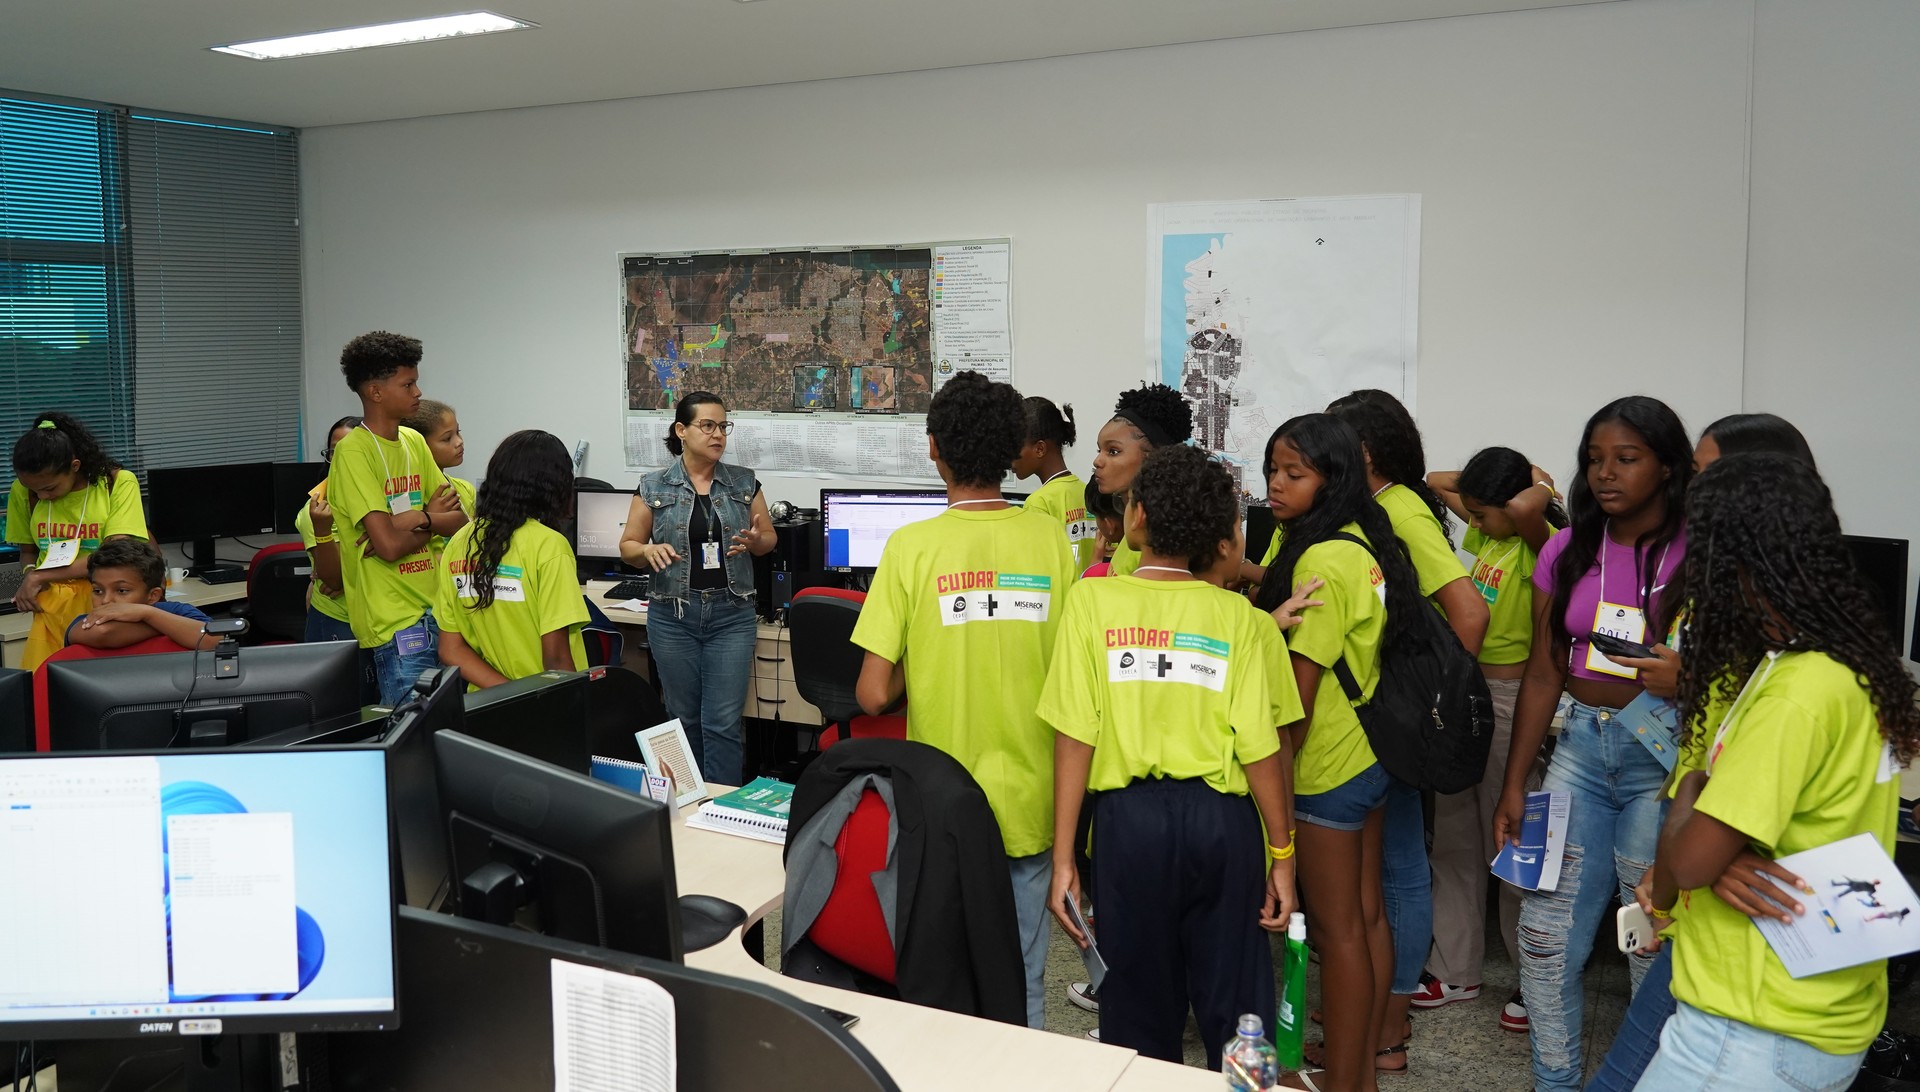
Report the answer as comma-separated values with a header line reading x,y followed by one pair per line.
x,y
671,497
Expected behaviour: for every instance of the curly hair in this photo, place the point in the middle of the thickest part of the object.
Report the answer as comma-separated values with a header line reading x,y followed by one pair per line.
x,y
376,356
1496,475
1190,501
1046,421
1101,505
138,554
53,443
1660,428
428,415
530,477
683,413
1158,411
1769,571
979,427
1332,448
1392,443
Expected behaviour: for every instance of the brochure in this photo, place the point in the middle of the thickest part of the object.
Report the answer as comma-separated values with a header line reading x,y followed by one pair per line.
x,y
1861,909
1534,863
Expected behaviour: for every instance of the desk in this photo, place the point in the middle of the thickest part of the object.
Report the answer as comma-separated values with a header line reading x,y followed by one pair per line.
x,y
192,591
771,693
923,1048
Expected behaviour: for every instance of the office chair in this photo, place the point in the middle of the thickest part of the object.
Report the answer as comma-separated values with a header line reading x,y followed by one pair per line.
x,y
276,606
604,642
41,733
826,666
620,703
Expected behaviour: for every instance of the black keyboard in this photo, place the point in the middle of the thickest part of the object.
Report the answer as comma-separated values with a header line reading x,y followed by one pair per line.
x,y
222,574
635,588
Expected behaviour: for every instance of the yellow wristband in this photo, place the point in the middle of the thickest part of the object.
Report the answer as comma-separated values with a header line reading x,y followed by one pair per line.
x,y
1283,854
1663,915
322,540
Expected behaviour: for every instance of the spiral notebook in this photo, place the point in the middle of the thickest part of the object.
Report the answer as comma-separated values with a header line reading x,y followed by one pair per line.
x,y
757,810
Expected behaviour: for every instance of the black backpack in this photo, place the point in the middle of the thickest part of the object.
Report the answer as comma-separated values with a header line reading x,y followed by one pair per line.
x,y
1430,720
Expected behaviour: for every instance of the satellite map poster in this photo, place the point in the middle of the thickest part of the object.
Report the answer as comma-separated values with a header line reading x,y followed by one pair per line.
x,y
1261,310
838,342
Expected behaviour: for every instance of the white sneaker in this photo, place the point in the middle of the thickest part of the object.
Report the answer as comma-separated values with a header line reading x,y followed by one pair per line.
x,y
1094,1034
1513,1017
1084,995
1434,993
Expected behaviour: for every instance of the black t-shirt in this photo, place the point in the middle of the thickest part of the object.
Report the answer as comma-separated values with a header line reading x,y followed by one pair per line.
x,y
704,526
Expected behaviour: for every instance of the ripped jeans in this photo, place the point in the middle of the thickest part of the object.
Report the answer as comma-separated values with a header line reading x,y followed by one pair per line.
x,y
1613,785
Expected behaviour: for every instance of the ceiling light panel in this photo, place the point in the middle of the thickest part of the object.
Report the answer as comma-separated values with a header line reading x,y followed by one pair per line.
x,y
385,34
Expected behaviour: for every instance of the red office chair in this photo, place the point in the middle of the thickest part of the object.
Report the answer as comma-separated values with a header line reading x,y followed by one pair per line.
x,y
276,607
41,735
826,665
851,927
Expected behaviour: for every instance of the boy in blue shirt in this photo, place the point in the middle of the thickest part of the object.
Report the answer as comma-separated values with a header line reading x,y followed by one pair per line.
x,y
129,601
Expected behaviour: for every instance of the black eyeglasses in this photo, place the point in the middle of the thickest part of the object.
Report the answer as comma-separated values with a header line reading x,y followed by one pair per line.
x,y
711,427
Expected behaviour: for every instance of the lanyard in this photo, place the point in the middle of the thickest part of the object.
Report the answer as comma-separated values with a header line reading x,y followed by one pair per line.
x,y
1606,540
406,488
1055,478
1754,682
86,498
1480,560
983,500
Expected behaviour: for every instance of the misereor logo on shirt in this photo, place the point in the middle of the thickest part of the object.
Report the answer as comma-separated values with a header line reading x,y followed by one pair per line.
x,y
507,585
1145,654
985,595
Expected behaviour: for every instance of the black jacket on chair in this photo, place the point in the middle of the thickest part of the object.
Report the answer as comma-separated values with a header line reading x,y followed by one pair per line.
x,y
958,940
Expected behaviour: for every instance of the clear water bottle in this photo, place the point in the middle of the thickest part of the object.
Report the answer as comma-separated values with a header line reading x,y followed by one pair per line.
x,y
1248,1061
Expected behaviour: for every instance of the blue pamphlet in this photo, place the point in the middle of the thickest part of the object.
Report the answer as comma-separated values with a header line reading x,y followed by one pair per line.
x,y
631,776
1653,722
1534,863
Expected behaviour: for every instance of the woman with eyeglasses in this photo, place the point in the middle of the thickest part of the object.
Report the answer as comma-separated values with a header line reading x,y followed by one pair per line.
x,y
694,523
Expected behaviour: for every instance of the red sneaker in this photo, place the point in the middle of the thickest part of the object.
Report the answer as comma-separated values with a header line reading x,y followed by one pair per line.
x,y
1514,1016
1434,993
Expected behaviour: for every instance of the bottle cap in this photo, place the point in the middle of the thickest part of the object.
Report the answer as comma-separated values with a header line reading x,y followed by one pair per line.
x,y
1296,926
1250,1026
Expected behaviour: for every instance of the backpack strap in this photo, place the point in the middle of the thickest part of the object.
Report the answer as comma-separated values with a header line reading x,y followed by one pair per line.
x,y
1340,669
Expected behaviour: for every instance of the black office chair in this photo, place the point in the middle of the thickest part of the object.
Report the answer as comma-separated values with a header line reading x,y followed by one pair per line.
x,y
276,606
620,703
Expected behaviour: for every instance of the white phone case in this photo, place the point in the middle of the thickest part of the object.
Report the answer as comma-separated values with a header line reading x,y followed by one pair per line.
x,y
1634,927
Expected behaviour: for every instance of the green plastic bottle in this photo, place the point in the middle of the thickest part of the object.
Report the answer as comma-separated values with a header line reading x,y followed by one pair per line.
x,y
1289,1027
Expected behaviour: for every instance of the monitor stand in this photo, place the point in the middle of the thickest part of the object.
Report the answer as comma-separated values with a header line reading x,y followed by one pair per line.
x,y
200,556
233,1063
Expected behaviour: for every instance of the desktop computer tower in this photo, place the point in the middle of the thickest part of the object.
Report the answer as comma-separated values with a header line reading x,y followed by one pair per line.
x,y
798,549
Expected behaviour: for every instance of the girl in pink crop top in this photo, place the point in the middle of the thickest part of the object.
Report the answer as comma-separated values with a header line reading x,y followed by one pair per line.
x,y
1624,569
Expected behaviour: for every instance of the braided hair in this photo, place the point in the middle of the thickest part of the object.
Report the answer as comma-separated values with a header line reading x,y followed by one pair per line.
x,y
1392,443
1769,571
530,477
54,441
1046,421
1332,448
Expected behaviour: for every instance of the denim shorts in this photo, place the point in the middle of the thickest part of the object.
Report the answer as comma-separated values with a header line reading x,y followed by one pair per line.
x,y
1345,806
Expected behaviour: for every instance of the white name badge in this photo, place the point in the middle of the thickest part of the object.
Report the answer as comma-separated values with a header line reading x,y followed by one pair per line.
x,y
1628,623
506,589
995,605
60,554
400,502
709,555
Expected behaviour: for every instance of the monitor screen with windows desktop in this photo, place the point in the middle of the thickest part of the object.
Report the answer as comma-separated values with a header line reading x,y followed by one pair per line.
x,y
196,893
199,699
856,523
599,519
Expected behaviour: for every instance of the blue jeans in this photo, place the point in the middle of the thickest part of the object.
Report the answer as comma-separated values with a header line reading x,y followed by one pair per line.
x,y
1708,1053
395,670
1406,884
322,628
703,648
1613,825
1639,1035
1031,877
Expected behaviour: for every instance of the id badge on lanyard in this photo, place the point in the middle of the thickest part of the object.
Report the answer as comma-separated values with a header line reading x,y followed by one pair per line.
x,y
710,549
1629,623
709,555
62,552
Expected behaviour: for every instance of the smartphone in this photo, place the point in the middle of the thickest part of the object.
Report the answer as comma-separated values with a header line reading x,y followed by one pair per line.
x,y
845,1019
1635,928
1615,646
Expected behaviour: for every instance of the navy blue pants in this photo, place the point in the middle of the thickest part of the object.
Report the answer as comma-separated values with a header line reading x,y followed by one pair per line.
x,y
1179,876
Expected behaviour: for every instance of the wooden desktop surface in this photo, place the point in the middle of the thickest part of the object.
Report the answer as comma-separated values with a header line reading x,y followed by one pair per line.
x,y
923,1048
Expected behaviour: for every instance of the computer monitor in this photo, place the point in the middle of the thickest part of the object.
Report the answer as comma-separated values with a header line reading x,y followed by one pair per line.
x,y
16,710
556,852
413,789
856,523
1260,530
599,518
542,716
292,482
1883,563
199,699
197,504
196,894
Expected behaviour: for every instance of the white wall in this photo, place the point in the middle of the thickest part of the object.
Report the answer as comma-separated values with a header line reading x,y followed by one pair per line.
x,y
1584,173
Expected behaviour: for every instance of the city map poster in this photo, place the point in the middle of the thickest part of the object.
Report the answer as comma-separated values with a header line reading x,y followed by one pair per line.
x,y
1261,310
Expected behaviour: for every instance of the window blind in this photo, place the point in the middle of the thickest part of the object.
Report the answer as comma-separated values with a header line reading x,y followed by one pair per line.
x,y
213,212
64,307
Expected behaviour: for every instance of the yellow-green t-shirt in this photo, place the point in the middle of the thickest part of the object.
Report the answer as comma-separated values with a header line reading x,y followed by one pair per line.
x,y
1125,559
333,606
536,590
1503,574
1168,678
92,515
967,603
463,490
1802,764
1351,623
1434,562
1064,497
373,474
